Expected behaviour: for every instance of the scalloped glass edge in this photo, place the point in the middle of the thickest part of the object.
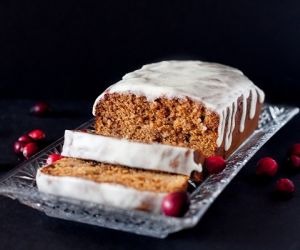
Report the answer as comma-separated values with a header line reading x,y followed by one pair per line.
x,y
20,184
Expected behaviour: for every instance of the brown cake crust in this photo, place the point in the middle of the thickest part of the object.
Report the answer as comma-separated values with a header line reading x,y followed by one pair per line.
x,y
250,125
179,122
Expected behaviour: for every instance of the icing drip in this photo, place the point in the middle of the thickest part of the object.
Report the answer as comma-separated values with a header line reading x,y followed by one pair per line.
x,y
253,103
230,126
214,85
244,112
261,95
221,127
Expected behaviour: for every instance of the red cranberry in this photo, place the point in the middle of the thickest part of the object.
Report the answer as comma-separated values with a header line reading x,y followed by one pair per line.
x,y
40,109
30,149
25,138
19,146
294,161
37,134
53,158
266,166
285,186
214,164
295,149
175,204
84,130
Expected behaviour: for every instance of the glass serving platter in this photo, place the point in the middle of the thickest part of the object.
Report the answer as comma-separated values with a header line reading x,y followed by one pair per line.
x,y
20,184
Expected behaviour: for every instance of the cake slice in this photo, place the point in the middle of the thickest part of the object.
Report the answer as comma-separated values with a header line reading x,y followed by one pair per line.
x,y
109,184
129,153
205,106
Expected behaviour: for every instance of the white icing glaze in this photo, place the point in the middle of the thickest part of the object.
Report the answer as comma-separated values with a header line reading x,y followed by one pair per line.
x,y
230,126
102,193
261,95
221,127
215,85
129,153
253,102
244,113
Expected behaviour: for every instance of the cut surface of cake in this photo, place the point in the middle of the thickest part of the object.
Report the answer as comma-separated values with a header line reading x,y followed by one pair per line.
x,y
205,106
153,156
109,184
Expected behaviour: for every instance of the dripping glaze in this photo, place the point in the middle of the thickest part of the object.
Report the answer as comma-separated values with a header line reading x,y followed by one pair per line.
x,y
214,85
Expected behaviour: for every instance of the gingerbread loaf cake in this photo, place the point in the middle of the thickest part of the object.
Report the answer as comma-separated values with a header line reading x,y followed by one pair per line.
x,y
209,107
109,184
153,129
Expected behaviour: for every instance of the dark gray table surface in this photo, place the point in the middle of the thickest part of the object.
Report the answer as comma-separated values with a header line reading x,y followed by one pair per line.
x,y
245,216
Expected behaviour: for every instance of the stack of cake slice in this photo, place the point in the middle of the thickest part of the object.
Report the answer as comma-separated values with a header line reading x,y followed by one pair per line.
x,y
153,130
118,172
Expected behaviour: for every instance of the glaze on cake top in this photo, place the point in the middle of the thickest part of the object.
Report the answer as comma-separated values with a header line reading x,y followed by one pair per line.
x,y
216,86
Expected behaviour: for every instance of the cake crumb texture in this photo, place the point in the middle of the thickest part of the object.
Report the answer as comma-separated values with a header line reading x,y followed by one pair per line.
x,y
139,179
178,122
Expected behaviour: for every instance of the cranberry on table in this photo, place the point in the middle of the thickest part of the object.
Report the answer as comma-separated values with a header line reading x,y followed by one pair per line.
x,y
294,161
53,158
266,166
37,134
175,204
27,144
25,139
30,149
40,109
295,149
285,186
19,146
214,164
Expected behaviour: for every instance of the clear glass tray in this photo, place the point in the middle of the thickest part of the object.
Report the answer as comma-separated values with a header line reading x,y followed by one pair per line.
x,y
20,184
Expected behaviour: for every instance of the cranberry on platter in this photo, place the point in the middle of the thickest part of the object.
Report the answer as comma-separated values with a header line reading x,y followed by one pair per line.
x,y
40,109
53,158
84,130
175,204
37,135
214,164
30,149
266,166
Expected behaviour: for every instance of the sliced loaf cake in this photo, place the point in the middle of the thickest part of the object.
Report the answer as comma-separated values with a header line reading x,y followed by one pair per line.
x,y
109,184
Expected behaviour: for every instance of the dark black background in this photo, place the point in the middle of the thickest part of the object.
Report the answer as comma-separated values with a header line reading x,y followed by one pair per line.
x,y
71,49
67,52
